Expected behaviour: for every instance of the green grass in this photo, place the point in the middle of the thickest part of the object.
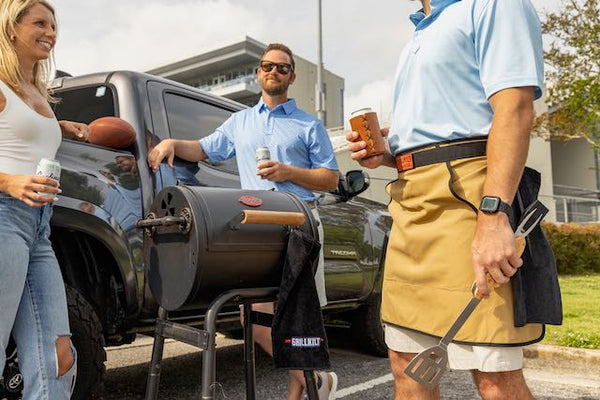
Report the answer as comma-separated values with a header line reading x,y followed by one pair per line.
x,y
581,310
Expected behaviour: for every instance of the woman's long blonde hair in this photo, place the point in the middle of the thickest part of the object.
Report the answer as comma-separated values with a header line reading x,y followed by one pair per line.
x,y
11,12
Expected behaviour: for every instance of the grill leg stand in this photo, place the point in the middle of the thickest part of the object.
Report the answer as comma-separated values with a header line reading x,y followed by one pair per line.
x,y
249,354
157,355
209,357
203,339
311,385
209,362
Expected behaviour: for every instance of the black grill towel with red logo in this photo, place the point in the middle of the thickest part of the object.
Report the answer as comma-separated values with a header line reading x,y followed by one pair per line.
x,y
299,340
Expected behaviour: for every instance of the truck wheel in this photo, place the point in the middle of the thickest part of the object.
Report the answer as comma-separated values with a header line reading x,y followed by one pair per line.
x,y
12,384
368,328
89,342
87,338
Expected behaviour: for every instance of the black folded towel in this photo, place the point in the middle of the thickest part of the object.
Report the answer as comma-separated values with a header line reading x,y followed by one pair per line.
x,y
299,340
535,285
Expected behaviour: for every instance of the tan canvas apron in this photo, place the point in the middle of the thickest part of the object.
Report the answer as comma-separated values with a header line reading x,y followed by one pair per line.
x,y
428,270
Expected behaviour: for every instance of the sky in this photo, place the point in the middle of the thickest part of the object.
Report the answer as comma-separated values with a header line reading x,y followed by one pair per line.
x,y
362,39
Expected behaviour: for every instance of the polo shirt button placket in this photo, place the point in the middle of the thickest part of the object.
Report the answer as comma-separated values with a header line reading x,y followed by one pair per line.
x,y
270,123
416,43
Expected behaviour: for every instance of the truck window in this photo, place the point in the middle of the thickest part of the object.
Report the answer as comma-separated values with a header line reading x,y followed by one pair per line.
x,y
85,104
189,119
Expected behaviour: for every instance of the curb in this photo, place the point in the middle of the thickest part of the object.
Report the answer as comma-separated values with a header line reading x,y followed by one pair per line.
x,y
562,353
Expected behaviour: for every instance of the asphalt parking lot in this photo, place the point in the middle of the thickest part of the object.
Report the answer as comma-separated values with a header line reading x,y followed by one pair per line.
x,y
360,376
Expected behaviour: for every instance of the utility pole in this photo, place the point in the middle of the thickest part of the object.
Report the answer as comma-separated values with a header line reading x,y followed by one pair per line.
x,y
320,93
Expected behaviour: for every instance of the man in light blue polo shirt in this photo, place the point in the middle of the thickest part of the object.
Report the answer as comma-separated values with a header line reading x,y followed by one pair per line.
x,y
463,110
302,160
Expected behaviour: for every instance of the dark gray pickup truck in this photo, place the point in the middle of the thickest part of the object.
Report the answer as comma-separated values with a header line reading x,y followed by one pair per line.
x,y
104,192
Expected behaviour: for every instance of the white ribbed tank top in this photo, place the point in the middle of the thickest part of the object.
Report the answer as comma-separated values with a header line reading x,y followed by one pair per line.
x,y
25,136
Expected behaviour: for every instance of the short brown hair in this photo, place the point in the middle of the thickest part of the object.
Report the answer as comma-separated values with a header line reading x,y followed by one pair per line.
x,y
280,47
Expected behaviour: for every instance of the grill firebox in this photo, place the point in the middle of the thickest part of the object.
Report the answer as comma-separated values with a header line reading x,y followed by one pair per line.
x,y
201,242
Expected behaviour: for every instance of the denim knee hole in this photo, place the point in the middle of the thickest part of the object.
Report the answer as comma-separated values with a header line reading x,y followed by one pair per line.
x,y
65,355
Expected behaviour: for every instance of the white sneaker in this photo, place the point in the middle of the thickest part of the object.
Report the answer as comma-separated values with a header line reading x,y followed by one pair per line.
x,y
325,391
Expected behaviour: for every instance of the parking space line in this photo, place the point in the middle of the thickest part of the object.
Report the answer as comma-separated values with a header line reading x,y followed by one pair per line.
x,y
364,386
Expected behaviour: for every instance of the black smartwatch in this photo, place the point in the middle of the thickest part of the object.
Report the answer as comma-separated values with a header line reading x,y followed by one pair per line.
x,y
493,204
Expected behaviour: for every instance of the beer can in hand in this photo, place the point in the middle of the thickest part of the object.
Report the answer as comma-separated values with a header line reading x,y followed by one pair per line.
x,y
262,154
51,169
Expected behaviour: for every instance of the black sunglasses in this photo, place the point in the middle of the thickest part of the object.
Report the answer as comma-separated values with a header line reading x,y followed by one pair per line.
x,y
282,68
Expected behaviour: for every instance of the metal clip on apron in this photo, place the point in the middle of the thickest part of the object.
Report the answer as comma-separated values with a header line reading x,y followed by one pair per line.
x,y
205,339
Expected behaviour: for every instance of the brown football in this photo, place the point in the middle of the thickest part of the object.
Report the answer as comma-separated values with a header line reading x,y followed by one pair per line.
x,y
111,132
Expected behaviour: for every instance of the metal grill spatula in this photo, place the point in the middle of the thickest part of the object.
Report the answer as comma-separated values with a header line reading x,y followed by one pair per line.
x,y
429,365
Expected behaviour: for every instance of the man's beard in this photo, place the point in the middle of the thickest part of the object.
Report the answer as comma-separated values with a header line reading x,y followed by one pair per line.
x,y
276,90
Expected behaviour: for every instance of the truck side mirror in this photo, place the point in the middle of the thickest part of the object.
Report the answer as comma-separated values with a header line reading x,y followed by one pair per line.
x,y
357,181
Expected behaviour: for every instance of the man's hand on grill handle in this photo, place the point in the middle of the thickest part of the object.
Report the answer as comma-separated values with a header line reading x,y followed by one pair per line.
x,y
358,151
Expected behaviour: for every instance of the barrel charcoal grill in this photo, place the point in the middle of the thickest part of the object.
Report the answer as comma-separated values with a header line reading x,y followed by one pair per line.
x,y
208,247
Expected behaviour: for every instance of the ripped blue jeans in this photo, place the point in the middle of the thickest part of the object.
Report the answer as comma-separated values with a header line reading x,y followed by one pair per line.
x,y
33,303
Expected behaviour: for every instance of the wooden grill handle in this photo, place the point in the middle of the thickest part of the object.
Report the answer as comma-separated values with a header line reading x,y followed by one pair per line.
x,y
273,217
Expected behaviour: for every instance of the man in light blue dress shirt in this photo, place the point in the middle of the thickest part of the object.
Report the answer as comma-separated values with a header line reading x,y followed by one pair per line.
x,y
302,160
463,110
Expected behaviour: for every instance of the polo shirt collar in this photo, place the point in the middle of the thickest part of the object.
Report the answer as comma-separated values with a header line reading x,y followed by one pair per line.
x,y
288,107
422,21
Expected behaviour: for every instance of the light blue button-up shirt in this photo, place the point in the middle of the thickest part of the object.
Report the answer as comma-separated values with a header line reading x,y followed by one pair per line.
x,y
460,55
293,137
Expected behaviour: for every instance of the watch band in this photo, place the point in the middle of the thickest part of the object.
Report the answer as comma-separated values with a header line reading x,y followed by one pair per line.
x,y
505,208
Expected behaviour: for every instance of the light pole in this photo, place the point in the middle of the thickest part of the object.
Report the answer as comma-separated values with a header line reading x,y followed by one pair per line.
x,y
320,93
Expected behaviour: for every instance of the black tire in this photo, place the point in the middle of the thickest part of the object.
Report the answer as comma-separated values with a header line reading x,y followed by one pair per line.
x,y
89,342
87,339
368,328
12,384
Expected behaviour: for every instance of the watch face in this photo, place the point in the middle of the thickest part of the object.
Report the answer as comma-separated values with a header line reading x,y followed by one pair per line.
x,y
490,204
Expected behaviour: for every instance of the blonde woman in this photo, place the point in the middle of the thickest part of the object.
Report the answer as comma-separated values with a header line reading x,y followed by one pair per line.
x,y
32,292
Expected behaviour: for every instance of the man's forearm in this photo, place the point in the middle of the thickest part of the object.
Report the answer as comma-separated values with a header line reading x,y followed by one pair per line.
x,y
190,150
314,179
493,248
508,142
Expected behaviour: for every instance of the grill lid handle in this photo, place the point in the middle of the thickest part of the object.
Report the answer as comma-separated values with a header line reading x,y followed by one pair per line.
x,y
268,217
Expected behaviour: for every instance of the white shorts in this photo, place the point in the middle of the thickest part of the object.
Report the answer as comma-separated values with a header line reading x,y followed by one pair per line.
x,y
460,356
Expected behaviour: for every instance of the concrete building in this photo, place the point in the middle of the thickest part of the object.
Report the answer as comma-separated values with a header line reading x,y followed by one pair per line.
x,y
570,176
231,72
576,181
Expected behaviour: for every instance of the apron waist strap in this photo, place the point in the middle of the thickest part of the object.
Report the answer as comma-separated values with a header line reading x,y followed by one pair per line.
x,y
441,152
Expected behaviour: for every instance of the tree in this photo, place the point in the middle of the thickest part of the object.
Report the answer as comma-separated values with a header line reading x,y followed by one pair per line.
x,y
573,75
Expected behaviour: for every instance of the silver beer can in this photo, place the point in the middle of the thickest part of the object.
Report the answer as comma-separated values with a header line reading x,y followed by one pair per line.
x,y
262,154
49,168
